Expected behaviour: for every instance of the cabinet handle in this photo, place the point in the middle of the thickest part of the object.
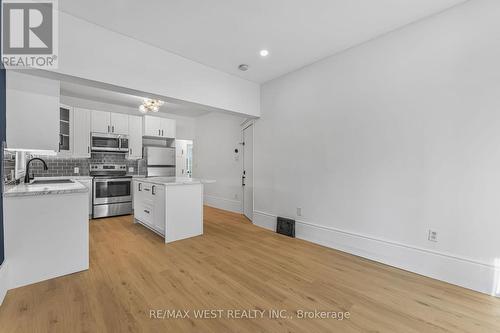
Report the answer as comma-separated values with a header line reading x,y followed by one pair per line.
x,y
108,129
159,132
140,186
153,190
88,149
162,133
113,129
146,211
130,151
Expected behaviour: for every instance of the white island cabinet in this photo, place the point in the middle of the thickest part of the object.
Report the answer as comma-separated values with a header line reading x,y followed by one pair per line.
x,y
169,206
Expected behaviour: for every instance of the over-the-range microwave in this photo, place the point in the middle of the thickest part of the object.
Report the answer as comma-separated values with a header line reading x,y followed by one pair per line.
x,y
102,142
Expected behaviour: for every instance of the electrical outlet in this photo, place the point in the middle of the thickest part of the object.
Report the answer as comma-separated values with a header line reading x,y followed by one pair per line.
x,y
130,169
76,170
433,236
299,211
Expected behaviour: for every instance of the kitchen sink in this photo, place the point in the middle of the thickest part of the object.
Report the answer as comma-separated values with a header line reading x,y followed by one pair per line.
x,y
51,181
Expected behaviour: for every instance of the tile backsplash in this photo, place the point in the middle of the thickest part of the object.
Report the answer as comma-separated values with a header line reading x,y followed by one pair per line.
x,y
9,166
64,166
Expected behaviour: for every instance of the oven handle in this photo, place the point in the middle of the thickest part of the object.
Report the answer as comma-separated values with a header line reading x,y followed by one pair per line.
x,y
112,180
94,148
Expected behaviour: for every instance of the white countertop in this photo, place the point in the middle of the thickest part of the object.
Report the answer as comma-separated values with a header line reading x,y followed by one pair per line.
x,y
22,190
174,180
66,177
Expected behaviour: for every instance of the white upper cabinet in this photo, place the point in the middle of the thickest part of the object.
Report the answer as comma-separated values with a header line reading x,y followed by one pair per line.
x,y
119,123
65,130
152,126
135,137
101,122
81,133
108,122
168,128
32,112
159,127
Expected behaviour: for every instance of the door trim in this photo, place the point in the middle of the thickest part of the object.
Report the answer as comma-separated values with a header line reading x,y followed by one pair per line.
x,y
245,125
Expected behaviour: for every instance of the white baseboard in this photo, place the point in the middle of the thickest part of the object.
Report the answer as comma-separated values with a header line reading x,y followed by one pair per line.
x,y
222,203
4,281
464,272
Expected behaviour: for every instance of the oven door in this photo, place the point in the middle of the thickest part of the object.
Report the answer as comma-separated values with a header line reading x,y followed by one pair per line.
x,y
112,190
102,142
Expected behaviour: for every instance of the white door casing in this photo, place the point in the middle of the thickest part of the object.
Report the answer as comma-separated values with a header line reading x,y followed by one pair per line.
x,y
247,177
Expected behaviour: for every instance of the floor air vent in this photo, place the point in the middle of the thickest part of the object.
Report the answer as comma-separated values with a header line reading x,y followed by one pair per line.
x,y
285,227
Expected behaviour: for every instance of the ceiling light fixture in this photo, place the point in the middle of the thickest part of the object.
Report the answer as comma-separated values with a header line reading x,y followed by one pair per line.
x,y
150,105
264,53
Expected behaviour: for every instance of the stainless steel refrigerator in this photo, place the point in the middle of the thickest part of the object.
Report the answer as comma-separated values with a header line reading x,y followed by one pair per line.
x,y
160,161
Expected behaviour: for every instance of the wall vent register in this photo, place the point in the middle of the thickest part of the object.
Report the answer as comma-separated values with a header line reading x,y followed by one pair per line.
x,y
285,227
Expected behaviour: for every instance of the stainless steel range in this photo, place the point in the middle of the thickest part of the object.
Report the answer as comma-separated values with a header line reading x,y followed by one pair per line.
x,y
112,190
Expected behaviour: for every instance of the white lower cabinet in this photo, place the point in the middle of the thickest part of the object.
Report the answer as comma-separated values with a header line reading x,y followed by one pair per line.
x,y
88,184
158,194
149,205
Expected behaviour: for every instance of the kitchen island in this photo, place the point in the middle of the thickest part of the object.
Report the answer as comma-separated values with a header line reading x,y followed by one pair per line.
x,y
169,206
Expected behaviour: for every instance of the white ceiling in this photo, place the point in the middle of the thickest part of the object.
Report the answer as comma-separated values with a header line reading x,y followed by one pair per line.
x,y
127,100
225,33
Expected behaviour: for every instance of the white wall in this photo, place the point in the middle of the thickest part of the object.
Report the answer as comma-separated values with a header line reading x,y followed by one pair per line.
x,y
217,136
389,139
91,52
185,126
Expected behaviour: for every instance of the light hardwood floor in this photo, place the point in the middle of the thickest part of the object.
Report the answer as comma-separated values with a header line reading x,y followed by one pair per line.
x,y
236,265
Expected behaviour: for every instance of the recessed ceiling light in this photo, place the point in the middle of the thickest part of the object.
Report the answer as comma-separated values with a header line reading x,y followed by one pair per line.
x,y
264,53
243,67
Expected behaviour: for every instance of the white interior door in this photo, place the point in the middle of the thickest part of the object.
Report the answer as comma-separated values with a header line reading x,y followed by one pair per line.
x,y
247,179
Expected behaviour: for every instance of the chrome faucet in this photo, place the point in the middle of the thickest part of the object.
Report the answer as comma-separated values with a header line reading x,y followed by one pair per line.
x,y
27,177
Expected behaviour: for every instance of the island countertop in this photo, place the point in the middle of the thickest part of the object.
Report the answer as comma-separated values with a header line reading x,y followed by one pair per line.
x,y
23,190
173,180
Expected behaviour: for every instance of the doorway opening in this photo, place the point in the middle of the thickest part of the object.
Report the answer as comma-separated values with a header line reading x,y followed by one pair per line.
x,y
184,158
247,174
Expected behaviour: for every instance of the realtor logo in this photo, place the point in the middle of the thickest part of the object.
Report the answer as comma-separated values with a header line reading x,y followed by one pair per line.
x,y
29,34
